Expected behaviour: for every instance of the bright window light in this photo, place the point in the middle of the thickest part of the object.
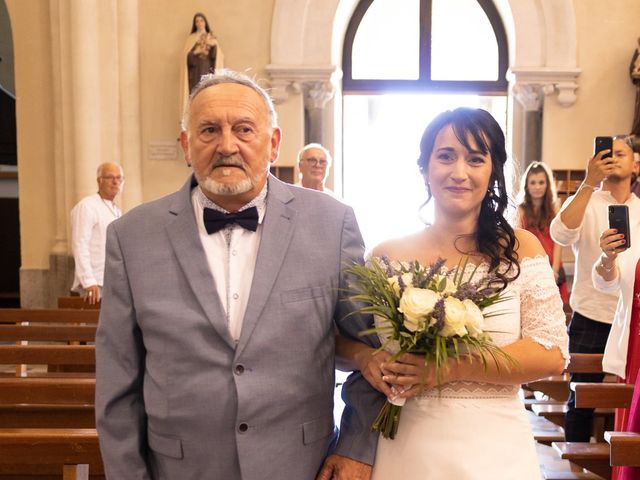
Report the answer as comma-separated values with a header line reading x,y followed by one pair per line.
x,y
386,44
463,47
381,146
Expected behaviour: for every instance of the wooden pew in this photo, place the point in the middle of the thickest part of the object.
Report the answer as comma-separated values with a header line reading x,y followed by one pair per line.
x,y
48,418
48,315
592,456
624,448
51,331
76,302
34,452
604,396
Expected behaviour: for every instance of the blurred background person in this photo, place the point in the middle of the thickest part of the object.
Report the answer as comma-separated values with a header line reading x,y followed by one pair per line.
x,y
536,208
314,162
89,220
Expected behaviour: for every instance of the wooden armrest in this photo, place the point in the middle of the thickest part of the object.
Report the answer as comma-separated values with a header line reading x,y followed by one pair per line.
x,y
585,363
603,395
624,448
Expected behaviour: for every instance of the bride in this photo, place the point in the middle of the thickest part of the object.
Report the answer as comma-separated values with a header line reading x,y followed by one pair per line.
x,y
474,426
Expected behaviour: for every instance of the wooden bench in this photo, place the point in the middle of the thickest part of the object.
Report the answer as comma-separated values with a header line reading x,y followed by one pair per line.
x,y
624,448
48,418
48,315
63,326
592,456
46,453
555,412
597,457
605,395
76,302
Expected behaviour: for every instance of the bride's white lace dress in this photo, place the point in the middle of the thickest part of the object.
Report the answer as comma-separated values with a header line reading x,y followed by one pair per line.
x,y
469,430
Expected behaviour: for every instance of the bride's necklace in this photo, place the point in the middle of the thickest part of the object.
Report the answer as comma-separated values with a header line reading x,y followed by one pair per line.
x,y
111,208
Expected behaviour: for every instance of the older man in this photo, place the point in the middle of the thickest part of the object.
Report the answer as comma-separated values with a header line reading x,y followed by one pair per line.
x,y
215,349
314,162
89,220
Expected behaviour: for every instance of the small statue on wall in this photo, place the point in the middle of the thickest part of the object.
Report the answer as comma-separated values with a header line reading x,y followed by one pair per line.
x,y
634,72
202,54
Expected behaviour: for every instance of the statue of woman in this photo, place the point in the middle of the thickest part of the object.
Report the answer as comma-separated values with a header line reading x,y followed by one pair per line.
x,y
202,54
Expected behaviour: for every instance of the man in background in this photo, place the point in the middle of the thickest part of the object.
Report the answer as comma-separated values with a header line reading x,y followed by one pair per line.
x,y
579,224
89,220
314,162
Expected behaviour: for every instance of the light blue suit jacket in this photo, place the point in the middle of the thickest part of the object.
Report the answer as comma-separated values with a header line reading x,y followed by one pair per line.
x,y
176,398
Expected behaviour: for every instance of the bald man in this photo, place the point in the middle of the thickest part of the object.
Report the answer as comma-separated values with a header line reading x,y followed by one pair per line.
x,y
89,220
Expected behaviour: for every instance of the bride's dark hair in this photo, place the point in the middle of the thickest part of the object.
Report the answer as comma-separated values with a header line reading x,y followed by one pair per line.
x,y
494,236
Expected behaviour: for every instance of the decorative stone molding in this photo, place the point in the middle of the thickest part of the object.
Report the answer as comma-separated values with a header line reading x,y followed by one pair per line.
x,y
530,84
318,82
317,94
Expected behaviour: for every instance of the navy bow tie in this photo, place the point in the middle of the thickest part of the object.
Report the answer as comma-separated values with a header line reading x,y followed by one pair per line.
x,y
215,221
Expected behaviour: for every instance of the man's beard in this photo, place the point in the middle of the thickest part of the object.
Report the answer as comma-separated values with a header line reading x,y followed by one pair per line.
x,y
218,188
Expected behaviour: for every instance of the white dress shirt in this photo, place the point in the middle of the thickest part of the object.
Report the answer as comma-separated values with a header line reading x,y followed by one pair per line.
x,y
231,254
615,352
89,220
585,243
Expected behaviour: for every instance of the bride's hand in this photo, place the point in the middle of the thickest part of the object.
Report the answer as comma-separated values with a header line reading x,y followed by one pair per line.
x,y
409,376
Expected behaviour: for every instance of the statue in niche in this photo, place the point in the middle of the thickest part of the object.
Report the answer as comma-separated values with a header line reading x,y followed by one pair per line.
x,y
634,72
202,54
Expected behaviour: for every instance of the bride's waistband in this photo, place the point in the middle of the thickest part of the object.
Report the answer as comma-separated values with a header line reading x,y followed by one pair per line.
x,y
471,390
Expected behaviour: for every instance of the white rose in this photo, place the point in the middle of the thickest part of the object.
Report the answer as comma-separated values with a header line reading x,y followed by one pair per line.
x,y
455,316
449,286
416,304
475,319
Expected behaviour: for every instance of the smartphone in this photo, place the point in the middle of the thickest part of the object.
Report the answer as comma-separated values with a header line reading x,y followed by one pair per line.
x,y
619,219
603,143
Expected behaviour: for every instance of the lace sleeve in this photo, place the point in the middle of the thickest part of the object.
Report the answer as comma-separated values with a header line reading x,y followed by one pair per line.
x,y
542,317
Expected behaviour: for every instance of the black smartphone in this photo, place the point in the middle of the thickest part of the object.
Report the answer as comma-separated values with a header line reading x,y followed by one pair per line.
x,y
619,219
603,143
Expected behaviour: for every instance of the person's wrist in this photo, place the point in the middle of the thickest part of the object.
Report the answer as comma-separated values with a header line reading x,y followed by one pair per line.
x,y
606,263
590,185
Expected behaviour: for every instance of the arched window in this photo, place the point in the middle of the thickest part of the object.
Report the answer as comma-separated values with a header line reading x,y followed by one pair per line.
x,y
427,46
403,63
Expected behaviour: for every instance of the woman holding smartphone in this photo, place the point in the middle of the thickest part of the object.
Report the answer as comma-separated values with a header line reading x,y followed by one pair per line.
x,y
619,268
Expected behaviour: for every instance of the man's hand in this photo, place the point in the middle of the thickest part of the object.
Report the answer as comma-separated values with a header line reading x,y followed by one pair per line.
x,y
599,168
92,294
337,467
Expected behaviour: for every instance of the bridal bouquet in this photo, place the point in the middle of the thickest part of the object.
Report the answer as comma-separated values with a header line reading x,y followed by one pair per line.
x,y
426,310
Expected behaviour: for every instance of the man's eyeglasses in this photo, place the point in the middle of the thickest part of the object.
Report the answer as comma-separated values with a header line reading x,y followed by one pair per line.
x,y
316,162
110,178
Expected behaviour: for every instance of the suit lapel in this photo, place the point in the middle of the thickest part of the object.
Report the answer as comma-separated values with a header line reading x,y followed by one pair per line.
x,y
185,240
277,231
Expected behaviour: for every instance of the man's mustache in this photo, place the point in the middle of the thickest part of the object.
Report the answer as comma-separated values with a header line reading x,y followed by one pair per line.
x,y
228,161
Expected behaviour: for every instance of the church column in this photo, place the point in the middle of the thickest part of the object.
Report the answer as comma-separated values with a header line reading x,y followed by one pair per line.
x,y
531,99
316,96
85,85
129,73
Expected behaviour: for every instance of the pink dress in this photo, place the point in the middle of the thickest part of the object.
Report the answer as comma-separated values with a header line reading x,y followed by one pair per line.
x,y
628,419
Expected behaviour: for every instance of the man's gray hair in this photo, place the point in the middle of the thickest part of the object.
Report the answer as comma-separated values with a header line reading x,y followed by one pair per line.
x,y
309,146
224,75
102,166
